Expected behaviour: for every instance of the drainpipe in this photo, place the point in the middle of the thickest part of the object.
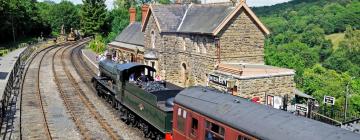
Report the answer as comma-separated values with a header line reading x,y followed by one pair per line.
x,y
218,48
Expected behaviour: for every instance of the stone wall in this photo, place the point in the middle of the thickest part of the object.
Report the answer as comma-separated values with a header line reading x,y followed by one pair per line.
x,y
195,52
276,86
259,87
241,40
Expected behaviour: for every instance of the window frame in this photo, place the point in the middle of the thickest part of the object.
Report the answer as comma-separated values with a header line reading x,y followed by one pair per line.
x,y
181,119
194,132
208,129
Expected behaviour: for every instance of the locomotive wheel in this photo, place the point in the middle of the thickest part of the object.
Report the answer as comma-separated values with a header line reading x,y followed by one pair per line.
x,y
146,131
158,137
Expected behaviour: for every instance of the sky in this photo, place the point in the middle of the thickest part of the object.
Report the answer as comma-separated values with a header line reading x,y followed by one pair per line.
x,y
251,3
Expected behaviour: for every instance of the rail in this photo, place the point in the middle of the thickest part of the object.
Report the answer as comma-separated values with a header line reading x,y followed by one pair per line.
x,y
325,119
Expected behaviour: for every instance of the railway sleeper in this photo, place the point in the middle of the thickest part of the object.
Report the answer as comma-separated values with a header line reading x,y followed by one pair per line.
x,y
129,117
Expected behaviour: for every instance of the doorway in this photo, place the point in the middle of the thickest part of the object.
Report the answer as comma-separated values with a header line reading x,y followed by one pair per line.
x,y
184,74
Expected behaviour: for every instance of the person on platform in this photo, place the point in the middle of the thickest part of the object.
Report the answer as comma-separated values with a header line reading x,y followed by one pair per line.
x,y
132,77
157,78
143,78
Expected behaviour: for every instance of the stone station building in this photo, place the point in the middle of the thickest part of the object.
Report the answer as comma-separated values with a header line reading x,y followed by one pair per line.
x,y
218,44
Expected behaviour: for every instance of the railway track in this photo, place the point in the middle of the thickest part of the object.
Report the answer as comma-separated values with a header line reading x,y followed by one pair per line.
x,y
112,115
34,124
89,122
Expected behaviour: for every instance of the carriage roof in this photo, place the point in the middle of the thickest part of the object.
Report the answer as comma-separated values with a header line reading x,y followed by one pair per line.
x,y
258,120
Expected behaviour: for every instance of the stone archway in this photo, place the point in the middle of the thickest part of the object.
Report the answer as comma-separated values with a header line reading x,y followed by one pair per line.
x,y
184,74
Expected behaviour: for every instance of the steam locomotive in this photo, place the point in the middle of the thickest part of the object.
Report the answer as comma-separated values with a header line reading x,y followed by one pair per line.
x,y
73,35
165,111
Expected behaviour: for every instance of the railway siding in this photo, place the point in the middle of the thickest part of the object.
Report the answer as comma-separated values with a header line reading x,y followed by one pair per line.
x,y
33,118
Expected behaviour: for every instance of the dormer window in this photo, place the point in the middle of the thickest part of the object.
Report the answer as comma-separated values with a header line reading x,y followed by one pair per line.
x,y
152,39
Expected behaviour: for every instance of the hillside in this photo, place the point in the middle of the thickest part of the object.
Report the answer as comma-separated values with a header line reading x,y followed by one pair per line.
x,y
335,38
321,41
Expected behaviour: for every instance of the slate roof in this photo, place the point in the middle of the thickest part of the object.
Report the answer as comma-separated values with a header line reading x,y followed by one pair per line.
x,y
204,18
196,18
132,35
257,120
169,16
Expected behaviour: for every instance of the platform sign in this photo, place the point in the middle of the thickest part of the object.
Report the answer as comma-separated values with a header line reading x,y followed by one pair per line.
x,y
218,80
329,100
301,108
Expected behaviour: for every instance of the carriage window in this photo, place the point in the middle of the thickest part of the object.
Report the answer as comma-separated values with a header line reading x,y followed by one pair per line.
x,y
214,131
240,137
194,127
181,119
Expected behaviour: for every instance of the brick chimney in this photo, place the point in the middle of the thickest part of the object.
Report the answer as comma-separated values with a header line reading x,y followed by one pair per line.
x,y
132,12
144,10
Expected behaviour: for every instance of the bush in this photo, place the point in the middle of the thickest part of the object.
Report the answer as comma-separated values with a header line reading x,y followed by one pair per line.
x,y
97,45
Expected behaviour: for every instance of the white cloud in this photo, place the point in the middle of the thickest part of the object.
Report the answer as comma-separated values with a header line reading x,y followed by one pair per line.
x,y
252,3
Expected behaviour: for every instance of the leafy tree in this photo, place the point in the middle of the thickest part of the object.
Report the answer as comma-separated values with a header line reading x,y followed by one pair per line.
x,y
93,16
65,13
120,21
19,19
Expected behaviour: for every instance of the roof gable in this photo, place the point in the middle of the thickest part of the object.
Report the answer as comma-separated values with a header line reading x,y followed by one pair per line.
x,y
132,35
167,17
197,18
249,11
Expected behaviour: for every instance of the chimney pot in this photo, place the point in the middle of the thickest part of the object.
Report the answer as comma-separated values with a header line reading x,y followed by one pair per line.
x,y
132,12
144,10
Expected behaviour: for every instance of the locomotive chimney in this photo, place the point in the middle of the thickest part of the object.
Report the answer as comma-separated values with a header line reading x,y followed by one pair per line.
x,y
132,12
144,10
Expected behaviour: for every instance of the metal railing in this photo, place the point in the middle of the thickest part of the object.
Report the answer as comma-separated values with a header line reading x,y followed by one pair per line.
x,y
14,81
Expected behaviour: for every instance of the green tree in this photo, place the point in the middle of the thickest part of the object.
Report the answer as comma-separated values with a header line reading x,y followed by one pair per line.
x,y
65,13
93,16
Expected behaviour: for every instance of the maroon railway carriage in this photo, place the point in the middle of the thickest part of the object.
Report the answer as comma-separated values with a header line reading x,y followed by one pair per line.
x,y
205,114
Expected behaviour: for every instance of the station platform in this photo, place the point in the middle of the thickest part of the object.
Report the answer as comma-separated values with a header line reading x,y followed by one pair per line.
x,y
7,64
91,57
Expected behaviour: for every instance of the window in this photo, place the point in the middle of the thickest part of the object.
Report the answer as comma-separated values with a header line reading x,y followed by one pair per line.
x,y
241,137
152,39
214,131
197,47
194,127
184,44
181,119
203,46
